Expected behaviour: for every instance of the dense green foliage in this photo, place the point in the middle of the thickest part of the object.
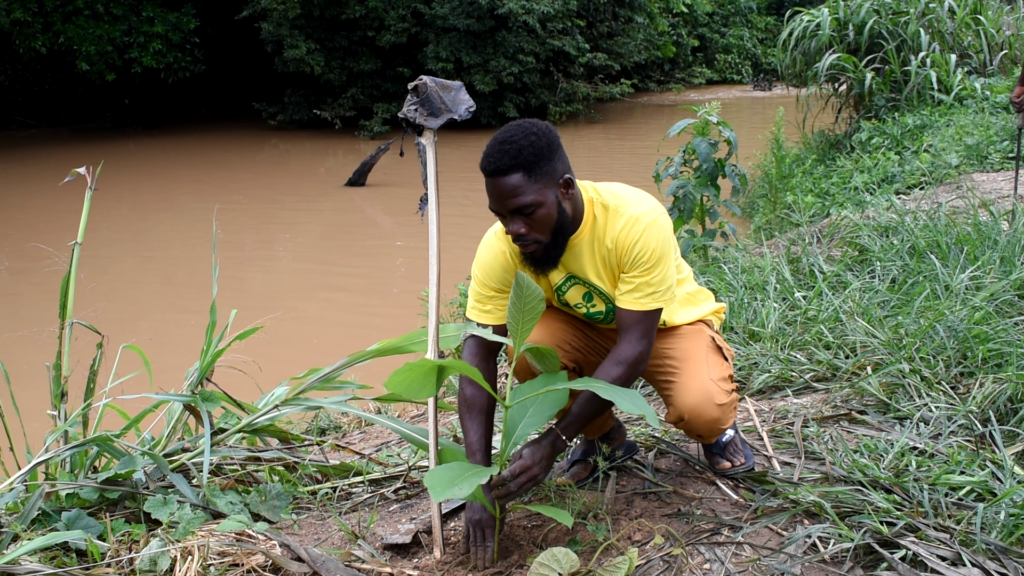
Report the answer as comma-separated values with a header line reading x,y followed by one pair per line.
x,y
867,57
804,182
103,40
349,61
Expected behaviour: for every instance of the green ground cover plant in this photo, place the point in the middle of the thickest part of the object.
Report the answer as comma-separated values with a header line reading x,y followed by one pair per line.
x,y
896,336
798,184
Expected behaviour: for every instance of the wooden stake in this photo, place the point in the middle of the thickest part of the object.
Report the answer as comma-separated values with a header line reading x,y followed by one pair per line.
x,y
429,140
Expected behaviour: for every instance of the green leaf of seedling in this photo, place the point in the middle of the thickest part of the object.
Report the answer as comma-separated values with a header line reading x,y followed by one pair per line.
x,y
42,543
526,304
423,378
269,501
543,359
626,399
555,562
532,404
456,481
161,507
556,514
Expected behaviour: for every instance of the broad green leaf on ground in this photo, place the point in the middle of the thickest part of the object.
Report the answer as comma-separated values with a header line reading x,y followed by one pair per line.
x,y
154,559
227,501
555,562
234,523
447,452
543,359
189,519
625,399
456,481
524,417
41,543
161,507
556,514
526,304
76,519
269,501
618,566
423,378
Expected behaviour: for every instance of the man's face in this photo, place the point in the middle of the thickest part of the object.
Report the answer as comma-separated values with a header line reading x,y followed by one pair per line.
x,y
534,216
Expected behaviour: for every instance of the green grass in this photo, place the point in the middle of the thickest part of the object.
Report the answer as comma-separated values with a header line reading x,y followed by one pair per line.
x,y
799,184
910,324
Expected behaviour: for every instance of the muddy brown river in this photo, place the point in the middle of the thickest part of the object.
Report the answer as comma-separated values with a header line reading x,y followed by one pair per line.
x,y
327,270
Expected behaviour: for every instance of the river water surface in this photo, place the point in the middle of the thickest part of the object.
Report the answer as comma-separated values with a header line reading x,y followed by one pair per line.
x,y
327,270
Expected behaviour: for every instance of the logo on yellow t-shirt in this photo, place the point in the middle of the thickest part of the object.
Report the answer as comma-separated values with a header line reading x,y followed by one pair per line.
x,y
586,298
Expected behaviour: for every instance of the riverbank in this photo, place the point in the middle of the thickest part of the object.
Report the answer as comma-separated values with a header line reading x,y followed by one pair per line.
x,y
878,349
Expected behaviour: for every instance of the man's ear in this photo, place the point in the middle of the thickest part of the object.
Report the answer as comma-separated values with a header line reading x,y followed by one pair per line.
x,y
567,187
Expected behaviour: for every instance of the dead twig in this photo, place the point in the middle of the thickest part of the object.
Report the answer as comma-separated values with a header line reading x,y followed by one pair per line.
x,y
764,436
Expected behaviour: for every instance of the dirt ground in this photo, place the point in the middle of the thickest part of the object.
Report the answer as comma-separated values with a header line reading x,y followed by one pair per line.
x,y
665,502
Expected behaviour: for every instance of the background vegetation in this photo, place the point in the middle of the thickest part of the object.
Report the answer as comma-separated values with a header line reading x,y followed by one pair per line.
x,y
347,63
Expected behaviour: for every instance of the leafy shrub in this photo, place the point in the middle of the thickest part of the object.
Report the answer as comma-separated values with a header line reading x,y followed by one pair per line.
x,y
695,171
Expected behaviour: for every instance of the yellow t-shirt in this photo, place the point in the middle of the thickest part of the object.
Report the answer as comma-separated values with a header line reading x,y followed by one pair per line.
x,y
624,254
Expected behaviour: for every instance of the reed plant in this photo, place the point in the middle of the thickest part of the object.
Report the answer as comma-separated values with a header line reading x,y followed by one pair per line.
x,y
861,59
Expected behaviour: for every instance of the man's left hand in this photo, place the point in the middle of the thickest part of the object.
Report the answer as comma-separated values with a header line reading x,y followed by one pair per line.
x,y
529,466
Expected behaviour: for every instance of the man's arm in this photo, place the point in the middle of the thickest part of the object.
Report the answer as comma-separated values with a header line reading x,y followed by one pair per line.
x,y
476,414
623,365
476,405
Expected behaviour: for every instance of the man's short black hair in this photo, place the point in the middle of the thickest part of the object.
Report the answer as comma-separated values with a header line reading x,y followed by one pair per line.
x,y
529,147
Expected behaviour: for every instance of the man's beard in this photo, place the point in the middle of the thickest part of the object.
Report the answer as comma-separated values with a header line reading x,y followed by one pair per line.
x,y
542,261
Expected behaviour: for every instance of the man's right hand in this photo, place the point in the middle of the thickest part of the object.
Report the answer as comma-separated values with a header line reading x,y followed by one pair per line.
x,y
1017,99
478,533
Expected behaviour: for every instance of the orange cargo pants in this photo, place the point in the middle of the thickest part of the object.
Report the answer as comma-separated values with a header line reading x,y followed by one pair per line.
x,y
690,367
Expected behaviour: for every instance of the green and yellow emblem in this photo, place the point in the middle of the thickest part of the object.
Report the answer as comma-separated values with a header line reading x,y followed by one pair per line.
x,y
586,298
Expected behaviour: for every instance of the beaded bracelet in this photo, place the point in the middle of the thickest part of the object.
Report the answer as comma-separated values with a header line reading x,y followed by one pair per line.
x,y
562,436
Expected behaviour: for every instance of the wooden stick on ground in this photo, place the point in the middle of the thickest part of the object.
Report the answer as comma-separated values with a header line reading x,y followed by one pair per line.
x,y
764,436
429,140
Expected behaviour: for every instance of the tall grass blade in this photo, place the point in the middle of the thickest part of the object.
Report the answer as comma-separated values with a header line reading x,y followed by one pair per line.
x,y
41,543
21,421
90,387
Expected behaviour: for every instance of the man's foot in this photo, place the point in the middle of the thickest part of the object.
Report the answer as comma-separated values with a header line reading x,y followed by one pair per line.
x,y
729,454
580,463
